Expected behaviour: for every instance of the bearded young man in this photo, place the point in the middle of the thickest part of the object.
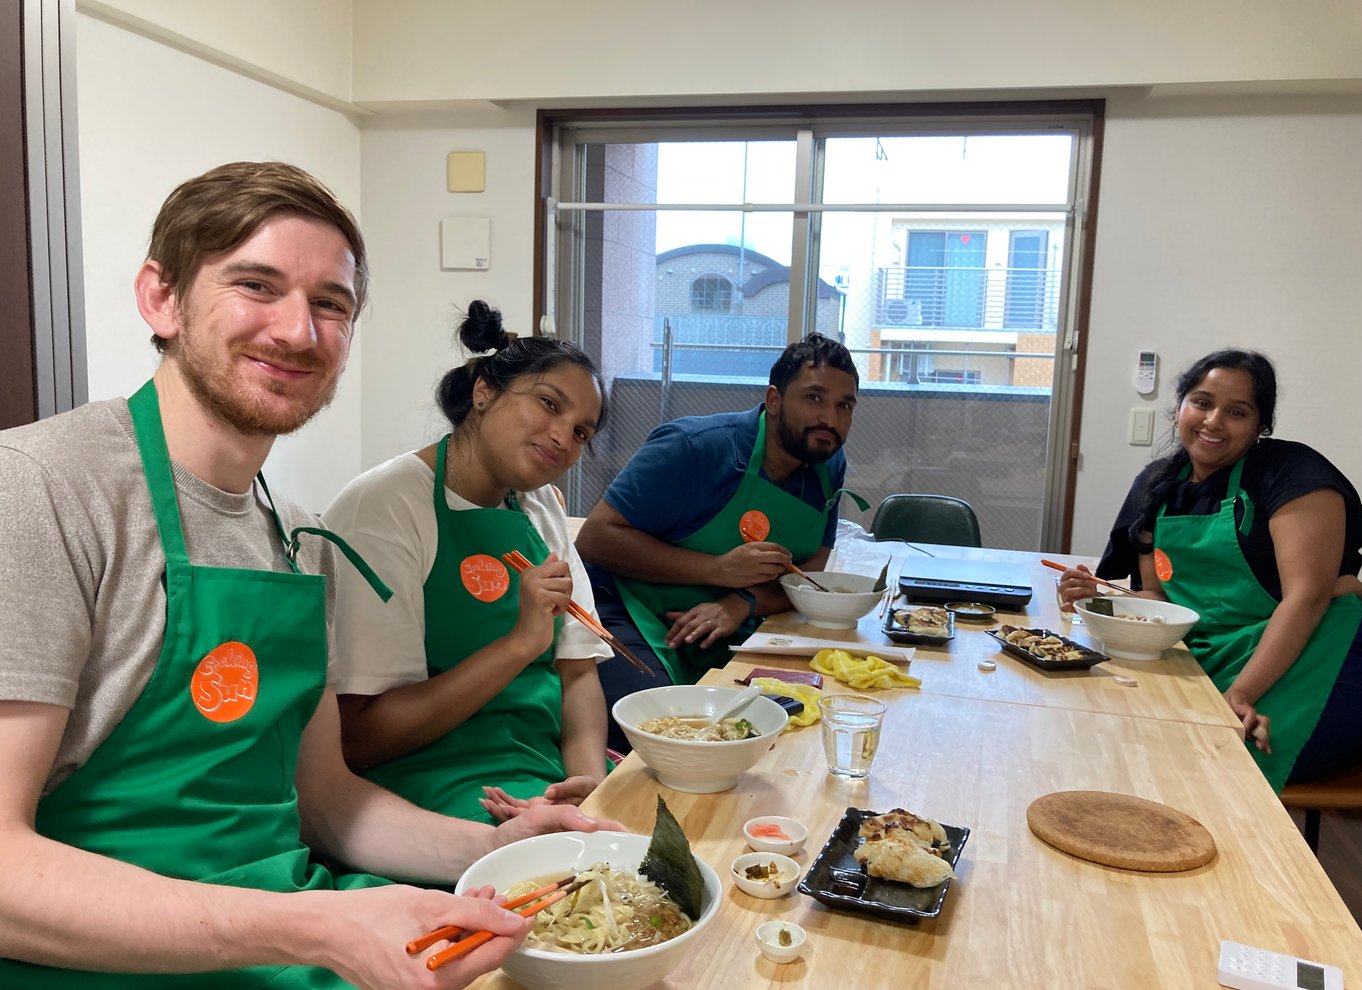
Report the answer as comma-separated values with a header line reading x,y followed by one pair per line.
x,y
689,539
172,754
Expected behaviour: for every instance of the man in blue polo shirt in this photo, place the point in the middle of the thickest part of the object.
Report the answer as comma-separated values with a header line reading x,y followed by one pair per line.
x,y
686,546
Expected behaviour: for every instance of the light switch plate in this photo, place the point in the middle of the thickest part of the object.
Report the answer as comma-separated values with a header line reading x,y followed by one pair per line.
x,y
1141,427
466,171
465,244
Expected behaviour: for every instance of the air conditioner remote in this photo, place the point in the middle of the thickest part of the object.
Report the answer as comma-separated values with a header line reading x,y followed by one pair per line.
x,y
1244,967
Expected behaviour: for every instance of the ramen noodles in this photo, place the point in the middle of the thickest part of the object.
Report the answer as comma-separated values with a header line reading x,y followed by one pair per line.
x,y
677,727
613,911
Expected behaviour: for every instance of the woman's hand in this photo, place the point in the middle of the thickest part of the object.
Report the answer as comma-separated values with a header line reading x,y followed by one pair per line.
x,y
1075,583
503,807
545,592
1256,727
707,622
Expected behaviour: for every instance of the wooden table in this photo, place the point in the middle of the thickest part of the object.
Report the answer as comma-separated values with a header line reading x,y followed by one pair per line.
x,y
975,752
1174,688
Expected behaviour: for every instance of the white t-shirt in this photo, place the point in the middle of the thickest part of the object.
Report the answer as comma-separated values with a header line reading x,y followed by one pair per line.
x,y
388,515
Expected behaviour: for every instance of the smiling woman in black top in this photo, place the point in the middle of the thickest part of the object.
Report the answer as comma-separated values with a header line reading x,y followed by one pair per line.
x,y
1261,537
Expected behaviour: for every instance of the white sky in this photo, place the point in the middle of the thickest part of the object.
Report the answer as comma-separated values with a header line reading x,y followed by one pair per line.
x,y
981,169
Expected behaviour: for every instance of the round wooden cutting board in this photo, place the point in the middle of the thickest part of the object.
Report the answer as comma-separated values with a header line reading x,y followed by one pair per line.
x,y
1121,830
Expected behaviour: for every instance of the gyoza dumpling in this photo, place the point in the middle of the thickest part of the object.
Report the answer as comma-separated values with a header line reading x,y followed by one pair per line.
x,y
902,861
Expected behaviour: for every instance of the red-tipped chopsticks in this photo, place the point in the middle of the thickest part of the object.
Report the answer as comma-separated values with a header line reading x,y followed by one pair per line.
x,y
1107,584
518,562
551,894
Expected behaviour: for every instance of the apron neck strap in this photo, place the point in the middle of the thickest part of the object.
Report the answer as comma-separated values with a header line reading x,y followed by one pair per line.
x,y
145,407
1233,492
441,466
758,458
291,542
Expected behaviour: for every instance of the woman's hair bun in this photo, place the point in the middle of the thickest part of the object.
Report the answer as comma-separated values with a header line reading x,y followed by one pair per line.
x,y
481,329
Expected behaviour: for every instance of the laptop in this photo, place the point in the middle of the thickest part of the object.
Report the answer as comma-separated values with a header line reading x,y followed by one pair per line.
x,y
950,579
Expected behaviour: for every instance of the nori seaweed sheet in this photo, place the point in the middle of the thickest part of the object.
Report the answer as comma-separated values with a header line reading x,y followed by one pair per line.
x,y
670,863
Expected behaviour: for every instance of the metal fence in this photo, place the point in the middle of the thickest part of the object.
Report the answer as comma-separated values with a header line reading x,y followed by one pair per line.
x,y
984,443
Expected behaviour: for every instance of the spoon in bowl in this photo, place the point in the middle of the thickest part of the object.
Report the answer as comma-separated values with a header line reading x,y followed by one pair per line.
x,y
737,703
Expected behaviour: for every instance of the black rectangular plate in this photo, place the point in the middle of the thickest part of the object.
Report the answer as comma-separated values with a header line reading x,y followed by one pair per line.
x,y
901,635
1091,657
836,879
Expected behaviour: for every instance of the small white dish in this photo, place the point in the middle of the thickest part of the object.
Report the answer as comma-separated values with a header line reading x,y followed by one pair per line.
x,y
798,834
768,941
785,881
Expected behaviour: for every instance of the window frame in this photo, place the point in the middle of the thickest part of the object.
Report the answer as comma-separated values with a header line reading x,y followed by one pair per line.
x,y
640,124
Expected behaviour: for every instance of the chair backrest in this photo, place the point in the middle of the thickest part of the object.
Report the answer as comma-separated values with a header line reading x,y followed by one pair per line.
x,y
927,519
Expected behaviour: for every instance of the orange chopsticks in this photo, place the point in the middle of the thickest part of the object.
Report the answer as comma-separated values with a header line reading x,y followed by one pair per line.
x,y
551,894
518,562
1115,587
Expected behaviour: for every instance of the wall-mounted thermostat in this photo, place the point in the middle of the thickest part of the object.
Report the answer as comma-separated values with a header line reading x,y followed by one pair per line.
x,y
466,244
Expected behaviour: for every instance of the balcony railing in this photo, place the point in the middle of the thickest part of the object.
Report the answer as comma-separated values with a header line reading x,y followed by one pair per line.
x,y
968,298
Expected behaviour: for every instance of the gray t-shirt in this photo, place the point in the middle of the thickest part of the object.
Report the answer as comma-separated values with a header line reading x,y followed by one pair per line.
x,y
82,607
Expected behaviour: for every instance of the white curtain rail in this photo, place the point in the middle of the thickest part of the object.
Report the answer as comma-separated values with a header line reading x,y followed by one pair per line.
x,y
815,207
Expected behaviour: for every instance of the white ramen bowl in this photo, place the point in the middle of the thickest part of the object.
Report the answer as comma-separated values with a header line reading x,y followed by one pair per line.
x,y
832,609
558,855
688,764
1131,639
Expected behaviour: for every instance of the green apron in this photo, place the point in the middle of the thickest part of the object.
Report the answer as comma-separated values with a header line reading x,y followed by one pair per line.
x,y
472,599
197,780
1210,575
788,520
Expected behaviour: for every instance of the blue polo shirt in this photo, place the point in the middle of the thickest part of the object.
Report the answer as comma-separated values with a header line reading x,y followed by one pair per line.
x,y
689,469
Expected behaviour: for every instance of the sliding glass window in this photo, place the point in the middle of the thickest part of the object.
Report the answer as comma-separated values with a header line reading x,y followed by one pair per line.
x,y
945,252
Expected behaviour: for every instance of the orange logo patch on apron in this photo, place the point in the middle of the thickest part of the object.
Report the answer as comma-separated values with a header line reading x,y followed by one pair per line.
x,y
486,578
754,526
224,683
1163,567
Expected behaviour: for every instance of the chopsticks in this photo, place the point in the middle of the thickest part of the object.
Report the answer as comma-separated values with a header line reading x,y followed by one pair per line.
x,y
751,537
804,574
519,563
551,894
1107,584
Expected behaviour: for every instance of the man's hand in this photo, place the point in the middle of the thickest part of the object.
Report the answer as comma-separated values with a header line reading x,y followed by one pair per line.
x,y
707,622
369,931
750,564
503,807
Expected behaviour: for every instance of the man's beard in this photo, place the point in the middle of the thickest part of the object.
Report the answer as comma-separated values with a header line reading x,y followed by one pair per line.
x,y
796,444
225,396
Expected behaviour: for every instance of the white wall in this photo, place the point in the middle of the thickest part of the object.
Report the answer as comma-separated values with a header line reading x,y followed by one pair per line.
x,y
305,44
151,117
1222,220
1224,223
409,50
409,337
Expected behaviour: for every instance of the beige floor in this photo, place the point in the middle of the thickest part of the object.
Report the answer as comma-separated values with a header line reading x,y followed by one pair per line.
x,y
1340,853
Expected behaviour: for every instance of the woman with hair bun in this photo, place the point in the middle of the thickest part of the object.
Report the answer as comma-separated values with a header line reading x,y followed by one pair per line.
x,y
471,693
1260,536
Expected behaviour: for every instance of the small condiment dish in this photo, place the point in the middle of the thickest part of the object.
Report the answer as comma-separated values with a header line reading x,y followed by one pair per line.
x,y
784,882
796,831
768,941
971,611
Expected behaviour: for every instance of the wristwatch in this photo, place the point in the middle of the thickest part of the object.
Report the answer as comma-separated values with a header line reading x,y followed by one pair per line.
x,y
748,597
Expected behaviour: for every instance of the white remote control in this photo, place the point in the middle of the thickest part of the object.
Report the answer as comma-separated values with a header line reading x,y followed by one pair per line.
x,y
1245,968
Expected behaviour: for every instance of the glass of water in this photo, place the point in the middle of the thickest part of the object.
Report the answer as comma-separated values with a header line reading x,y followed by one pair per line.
x,y
1067,613
851,733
